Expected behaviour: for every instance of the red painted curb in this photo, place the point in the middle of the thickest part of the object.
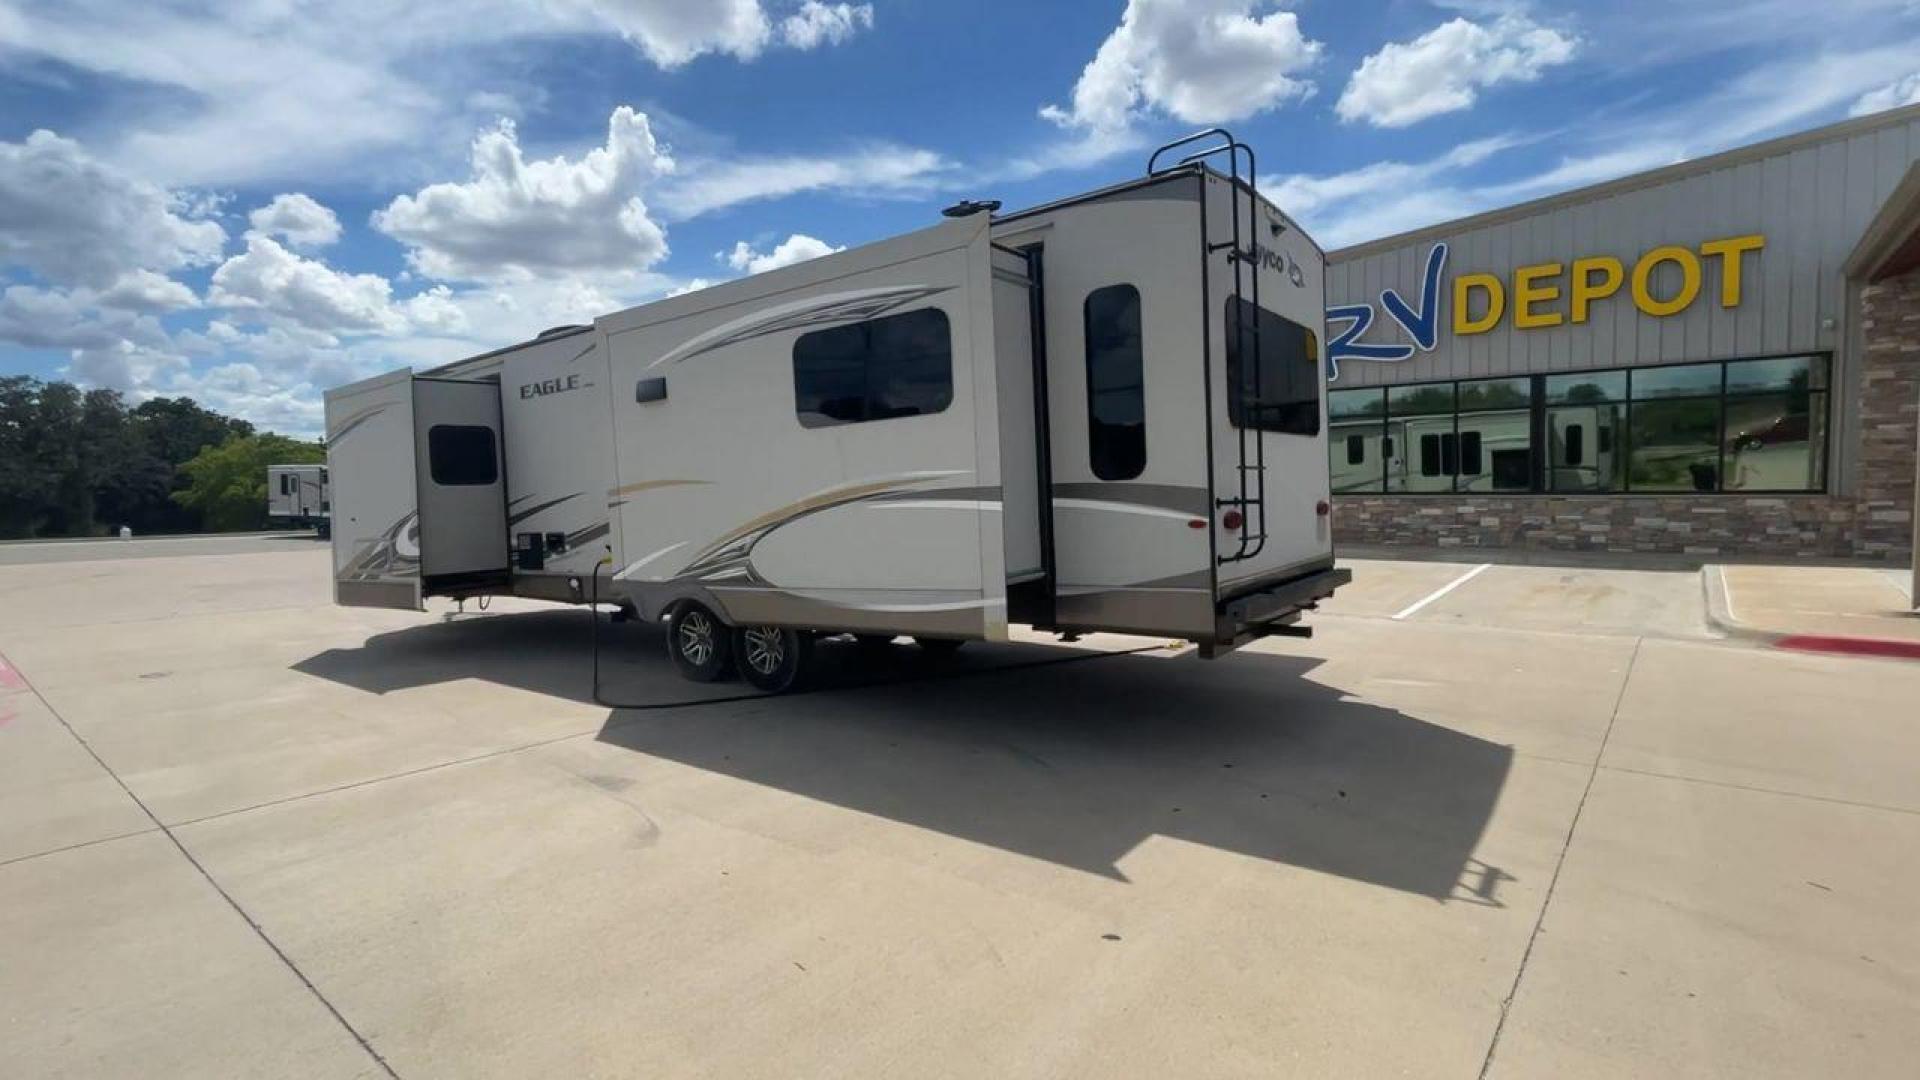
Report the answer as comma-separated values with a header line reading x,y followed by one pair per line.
x,y
1851,646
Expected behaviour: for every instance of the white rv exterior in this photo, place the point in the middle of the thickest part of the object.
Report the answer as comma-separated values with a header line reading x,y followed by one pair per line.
x,y
1000,419
298,496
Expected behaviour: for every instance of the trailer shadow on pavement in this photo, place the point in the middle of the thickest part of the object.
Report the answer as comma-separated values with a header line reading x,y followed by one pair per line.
x,y
1074,763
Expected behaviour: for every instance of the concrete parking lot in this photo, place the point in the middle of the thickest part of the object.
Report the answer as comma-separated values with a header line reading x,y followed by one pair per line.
x,y
1509,821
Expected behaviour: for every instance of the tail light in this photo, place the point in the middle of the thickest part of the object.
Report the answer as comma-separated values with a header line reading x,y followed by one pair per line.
x,y
1323,508
1232,519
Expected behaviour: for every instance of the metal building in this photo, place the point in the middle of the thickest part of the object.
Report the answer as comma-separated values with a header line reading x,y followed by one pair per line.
x,y
1718,357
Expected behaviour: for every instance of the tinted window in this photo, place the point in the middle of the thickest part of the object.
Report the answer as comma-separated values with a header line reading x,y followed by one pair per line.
x,y
1116,389
1282,391
880,369
460,455
1430,455
1470,463
1349,403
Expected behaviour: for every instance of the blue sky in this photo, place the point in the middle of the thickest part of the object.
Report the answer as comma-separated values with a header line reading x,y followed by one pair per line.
x,y
249,202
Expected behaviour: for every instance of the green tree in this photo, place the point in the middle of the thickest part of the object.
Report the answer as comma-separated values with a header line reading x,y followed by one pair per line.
x,y
26,488
227,484
128,482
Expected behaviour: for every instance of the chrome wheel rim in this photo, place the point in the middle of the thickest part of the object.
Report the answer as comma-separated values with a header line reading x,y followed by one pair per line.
x,y
696,637
766,649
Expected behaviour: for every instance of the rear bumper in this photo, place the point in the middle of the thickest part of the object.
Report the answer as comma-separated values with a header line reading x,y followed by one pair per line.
x,y
1270,610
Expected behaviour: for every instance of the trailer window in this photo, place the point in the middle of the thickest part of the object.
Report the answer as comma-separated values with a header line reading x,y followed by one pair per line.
x,y
461,455
1116,386
880,369
1281,392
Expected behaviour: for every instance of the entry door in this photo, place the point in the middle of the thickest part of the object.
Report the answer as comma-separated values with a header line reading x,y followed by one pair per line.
x,y
461,479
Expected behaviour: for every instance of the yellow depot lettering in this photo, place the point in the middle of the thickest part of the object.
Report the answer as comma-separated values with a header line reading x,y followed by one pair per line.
x,y
1586,290
1643,270
1526,294
1463,286
1729,252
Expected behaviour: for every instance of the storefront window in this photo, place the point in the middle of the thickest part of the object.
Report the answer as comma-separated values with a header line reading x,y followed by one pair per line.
x,y
1585,387
1675,445
1496,435
1739,426
1357,439
1586,447
1690,380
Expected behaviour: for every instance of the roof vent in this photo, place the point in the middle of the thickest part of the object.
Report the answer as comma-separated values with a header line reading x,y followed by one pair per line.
x,y
970,207
567,329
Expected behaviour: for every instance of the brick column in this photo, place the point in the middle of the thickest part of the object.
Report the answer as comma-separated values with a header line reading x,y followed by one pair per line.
x,y
1890,416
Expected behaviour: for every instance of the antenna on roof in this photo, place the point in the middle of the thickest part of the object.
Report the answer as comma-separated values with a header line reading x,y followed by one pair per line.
x,y
970,207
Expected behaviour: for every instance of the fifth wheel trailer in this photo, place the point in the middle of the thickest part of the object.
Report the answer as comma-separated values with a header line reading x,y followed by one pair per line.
x,y
1104,413
298,495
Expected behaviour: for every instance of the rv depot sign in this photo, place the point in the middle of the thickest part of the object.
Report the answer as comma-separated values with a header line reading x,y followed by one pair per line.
x,y
1536,297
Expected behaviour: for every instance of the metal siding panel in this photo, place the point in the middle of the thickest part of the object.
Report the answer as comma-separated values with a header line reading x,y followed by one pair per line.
x,y
1500,263
1777,273
1746,187
1478,354
1831,214
1606,319
1720,322
1647,231
1579,338
1890,163
1690,222
1801,245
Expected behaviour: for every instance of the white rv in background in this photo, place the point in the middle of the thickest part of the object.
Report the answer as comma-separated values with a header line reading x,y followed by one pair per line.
x,y
298,497
1105,413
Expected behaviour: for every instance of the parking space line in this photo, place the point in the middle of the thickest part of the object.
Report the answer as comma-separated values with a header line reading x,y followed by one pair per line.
x,y
1442,591
245,916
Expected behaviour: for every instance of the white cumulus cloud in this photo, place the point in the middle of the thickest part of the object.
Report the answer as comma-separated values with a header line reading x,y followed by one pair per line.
x,y
1891,96
70,218
818,24
1201,61
270,279
795,248
515,217
673,32
1444,69
299,220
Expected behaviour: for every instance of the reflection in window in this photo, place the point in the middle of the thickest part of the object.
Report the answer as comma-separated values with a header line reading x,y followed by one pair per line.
x,y
1676,445
1282,391
1580,448
1687,380
1775,442
1116,385
879,369
1744,425
1359,467
1496,449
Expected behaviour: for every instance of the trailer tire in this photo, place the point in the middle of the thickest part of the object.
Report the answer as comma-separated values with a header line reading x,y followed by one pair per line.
x,y
940,648
701,646
772,658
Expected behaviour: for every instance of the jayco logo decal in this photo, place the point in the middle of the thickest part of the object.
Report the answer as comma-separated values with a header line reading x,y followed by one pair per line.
x,y
1422,323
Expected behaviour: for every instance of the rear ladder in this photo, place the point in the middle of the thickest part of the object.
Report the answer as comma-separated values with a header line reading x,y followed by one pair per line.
x,y
1250,499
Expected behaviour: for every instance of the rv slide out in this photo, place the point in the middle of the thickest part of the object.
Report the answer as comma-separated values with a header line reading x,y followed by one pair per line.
x,y
1106,413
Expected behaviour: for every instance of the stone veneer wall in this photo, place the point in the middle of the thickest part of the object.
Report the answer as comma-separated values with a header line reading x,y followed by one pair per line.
x,y
1876,522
